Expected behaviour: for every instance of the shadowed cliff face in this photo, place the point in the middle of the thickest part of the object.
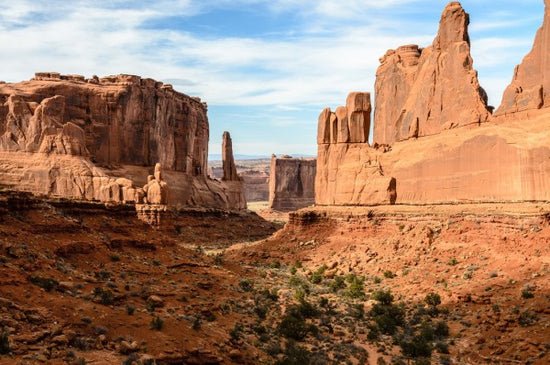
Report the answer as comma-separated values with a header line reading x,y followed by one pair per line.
x,y
291,183
420,92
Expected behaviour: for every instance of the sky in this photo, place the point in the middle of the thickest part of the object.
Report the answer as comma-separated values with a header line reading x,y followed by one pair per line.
x,y
266,68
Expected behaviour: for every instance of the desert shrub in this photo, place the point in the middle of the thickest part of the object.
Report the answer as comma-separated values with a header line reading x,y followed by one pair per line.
x,y
356,287
295,355
386,315
293,326
317,276
389,274
527,318
106,296
356,310
376,280
246,285
4,343
416,347
236,331
337,284
452,262
383,297
114,258
275,265
156,323
527,292
47,284
130,309
432,299
196,323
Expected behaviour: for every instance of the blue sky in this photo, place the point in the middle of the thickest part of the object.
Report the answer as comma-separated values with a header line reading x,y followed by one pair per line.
x,y
266,68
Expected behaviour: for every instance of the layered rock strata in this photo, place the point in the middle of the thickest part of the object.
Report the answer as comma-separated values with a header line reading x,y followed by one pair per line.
x,y
420,92
530,87
493,162
291,183
99,138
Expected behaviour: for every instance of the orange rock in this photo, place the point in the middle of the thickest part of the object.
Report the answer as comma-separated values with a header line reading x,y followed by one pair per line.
x,y
530,87
422,92
291,183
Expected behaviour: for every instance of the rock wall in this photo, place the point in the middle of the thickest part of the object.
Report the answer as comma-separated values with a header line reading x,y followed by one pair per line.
x,y
420,92
530,87
123,119
291,183
99,139
427,93
348,171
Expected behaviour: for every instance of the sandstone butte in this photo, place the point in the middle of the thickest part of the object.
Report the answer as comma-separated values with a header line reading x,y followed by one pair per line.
x,y
99,138
291,183
435,139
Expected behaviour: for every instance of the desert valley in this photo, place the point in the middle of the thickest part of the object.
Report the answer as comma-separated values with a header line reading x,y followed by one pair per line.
x,y
425,243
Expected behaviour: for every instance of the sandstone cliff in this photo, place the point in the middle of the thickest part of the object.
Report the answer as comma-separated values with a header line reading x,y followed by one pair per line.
x,y
348,171
291,183
530,87
427,92
76,138
420,92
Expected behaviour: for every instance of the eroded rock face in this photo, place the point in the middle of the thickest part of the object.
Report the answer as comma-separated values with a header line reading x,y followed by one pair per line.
x,y
420,92
228,162
291,183
530,87
98,139
348,124
124,120
348,171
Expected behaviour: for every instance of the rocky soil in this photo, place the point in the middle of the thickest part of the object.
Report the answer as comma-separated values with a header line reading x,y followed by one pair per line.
x,y
82,283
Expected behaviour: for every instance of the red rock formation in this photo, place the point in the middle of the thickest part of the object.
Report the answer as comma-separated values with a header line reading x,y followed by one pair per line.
x,y
229,169
233,182
420,92
348,172
291,183
530,87
56,131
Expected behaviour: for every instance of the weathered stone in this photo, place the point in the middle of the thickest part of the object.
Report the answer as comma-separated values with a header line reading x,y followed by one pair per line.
x,y
229,169
530,87
422,92
54,126
291,183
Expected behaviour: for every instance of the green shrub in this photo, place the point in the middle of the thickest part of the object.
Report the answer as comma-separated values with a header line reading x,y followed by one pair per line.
x,y
388,274
47,284
130,309
433,299
246,285
275,265
356,288
383,297
293,326
317,276
295,355
337,284
156,323
4,343
416,347
527,292
236,331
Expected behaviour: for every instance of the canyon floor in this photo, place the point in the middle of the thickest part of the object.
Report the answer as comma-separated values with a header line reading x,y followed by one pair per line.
x,y
85,283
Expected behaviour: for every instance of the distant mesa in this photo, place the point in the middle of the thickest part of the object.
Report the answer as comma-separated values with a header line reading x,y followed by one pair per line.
x,y
291,183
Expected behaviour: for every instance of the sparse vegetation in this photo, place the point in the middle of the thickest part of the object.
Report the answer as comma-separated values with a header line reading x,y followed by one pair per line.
x,y
4,343
156,323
